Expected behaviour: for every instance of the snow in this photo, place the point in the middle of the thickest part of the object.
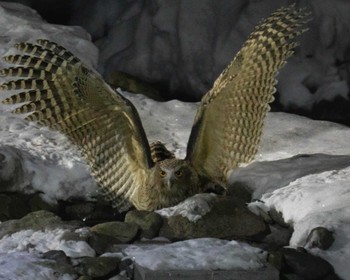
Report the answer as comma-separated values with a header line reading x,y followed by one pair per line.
x,y
47,162
322,200
43,241
23,266
196,254
192,208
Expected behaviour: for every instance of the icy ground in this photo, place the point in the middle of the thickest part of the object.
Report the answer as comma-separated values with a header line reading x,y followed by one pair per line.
x,y
49,165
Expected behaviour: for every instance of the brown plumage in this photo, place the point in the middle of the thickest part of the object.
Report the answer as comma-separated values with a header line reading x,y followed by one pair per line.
x,y
63,94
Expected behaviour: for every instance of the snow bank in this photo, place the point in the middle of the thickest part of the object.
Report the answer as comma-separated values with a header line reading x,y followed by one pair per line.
x,y
23,266
195,254
318,200
44,241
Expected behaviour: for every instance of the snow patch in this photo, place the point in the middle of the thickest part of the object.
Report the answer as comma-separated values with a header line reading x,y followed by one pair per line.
x,y
192,208
42,241
23,266
318,200
195,254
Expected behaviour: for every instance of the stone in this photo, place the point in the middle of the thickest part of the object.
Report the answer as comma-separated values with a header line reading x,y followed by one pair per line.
x,y
36,203
19,206
149,222
125,232
266,273
278,237
39,220
91,213
306,265
5,202
61,262
321,238
101,242
228,218
98,266
276,259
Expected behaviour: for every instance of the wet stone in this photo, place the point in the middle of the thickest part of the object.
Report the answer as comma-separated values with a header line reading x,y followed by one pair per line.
x,y
321,238
306,265
102,243
5,202
98,266
228,218
39,220
36,203
149,222
125,232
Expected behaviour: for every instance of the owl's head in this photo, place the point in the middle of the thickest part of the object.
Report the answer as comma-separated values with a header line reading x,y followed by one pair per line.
x,y
177,174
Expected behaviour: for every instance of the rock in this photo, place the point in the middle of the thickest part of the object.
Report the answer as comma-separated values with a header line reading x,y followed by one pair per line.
x,y
39,220
279,237
321,238
62,263
36,203
5,202
149,222
19,206
124,232
98,266
101,242
306,265
277,217
276,259
228,218
91,213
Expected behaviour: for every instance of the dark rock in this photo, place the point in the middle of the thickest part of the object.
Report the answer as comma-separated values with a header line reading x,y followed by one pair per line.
x,y
102,243
320,237
306,265
124,232
19,206
277,217
39,220
240,190
84,278
276,259
279,237
5,202
229,218
57,255
36,203
291,276
149,222
98,266
61,262
91,213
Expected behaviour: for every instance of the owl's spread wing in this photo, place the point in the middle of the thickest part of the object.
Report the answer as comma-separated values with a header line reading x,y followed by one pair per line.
x,y
60,92
228,125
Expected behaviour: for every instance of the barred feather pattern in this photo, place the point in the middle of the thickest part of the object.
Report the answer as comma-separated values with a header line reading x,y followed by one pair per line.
x,y
60,92
229,122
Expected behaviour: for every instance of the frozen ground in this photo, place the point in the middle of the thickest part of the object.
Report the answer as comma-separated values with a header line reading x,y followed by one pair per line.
x,y
48,165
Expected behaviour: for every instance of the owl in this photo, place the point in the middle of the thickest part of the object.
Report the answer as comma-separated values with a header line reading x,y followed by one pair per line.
x,y
55,89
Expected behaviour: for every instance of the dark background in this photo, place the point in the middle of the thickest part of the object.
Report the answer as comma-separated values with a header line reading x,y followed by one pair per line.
x,y
180,46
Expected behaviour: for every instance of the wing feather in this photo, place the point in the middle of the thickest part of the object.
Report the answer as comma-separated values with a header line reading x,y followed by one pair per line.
x,y
60,92
229,122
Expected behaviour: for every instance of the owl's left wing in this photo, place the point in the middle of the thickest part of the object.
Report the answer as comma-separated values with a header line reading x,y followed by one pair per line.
x,y
229,121
58,91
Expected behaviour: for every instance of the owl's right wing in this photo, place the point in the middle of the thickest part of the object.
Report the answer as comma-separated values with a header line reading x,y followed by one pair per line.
x,y
228,125
60,92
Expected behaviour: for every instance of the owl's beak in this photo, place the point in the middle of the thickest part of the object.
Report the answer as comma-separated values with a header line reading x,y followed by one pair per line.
x,y
169,183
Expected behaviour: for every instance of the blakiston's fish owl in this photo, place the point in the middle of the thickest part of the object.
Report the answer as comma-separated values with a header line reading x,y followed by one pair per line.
x,y
62,93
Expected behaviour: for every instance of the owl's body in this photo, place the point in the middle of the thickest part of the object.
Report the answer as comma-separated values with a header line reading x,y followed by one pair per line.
x,y
60,92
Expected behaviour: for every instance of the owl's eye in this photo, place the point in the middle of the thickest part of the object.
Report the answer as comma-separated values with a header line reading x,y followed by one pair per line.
x,y
178,173
162,173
